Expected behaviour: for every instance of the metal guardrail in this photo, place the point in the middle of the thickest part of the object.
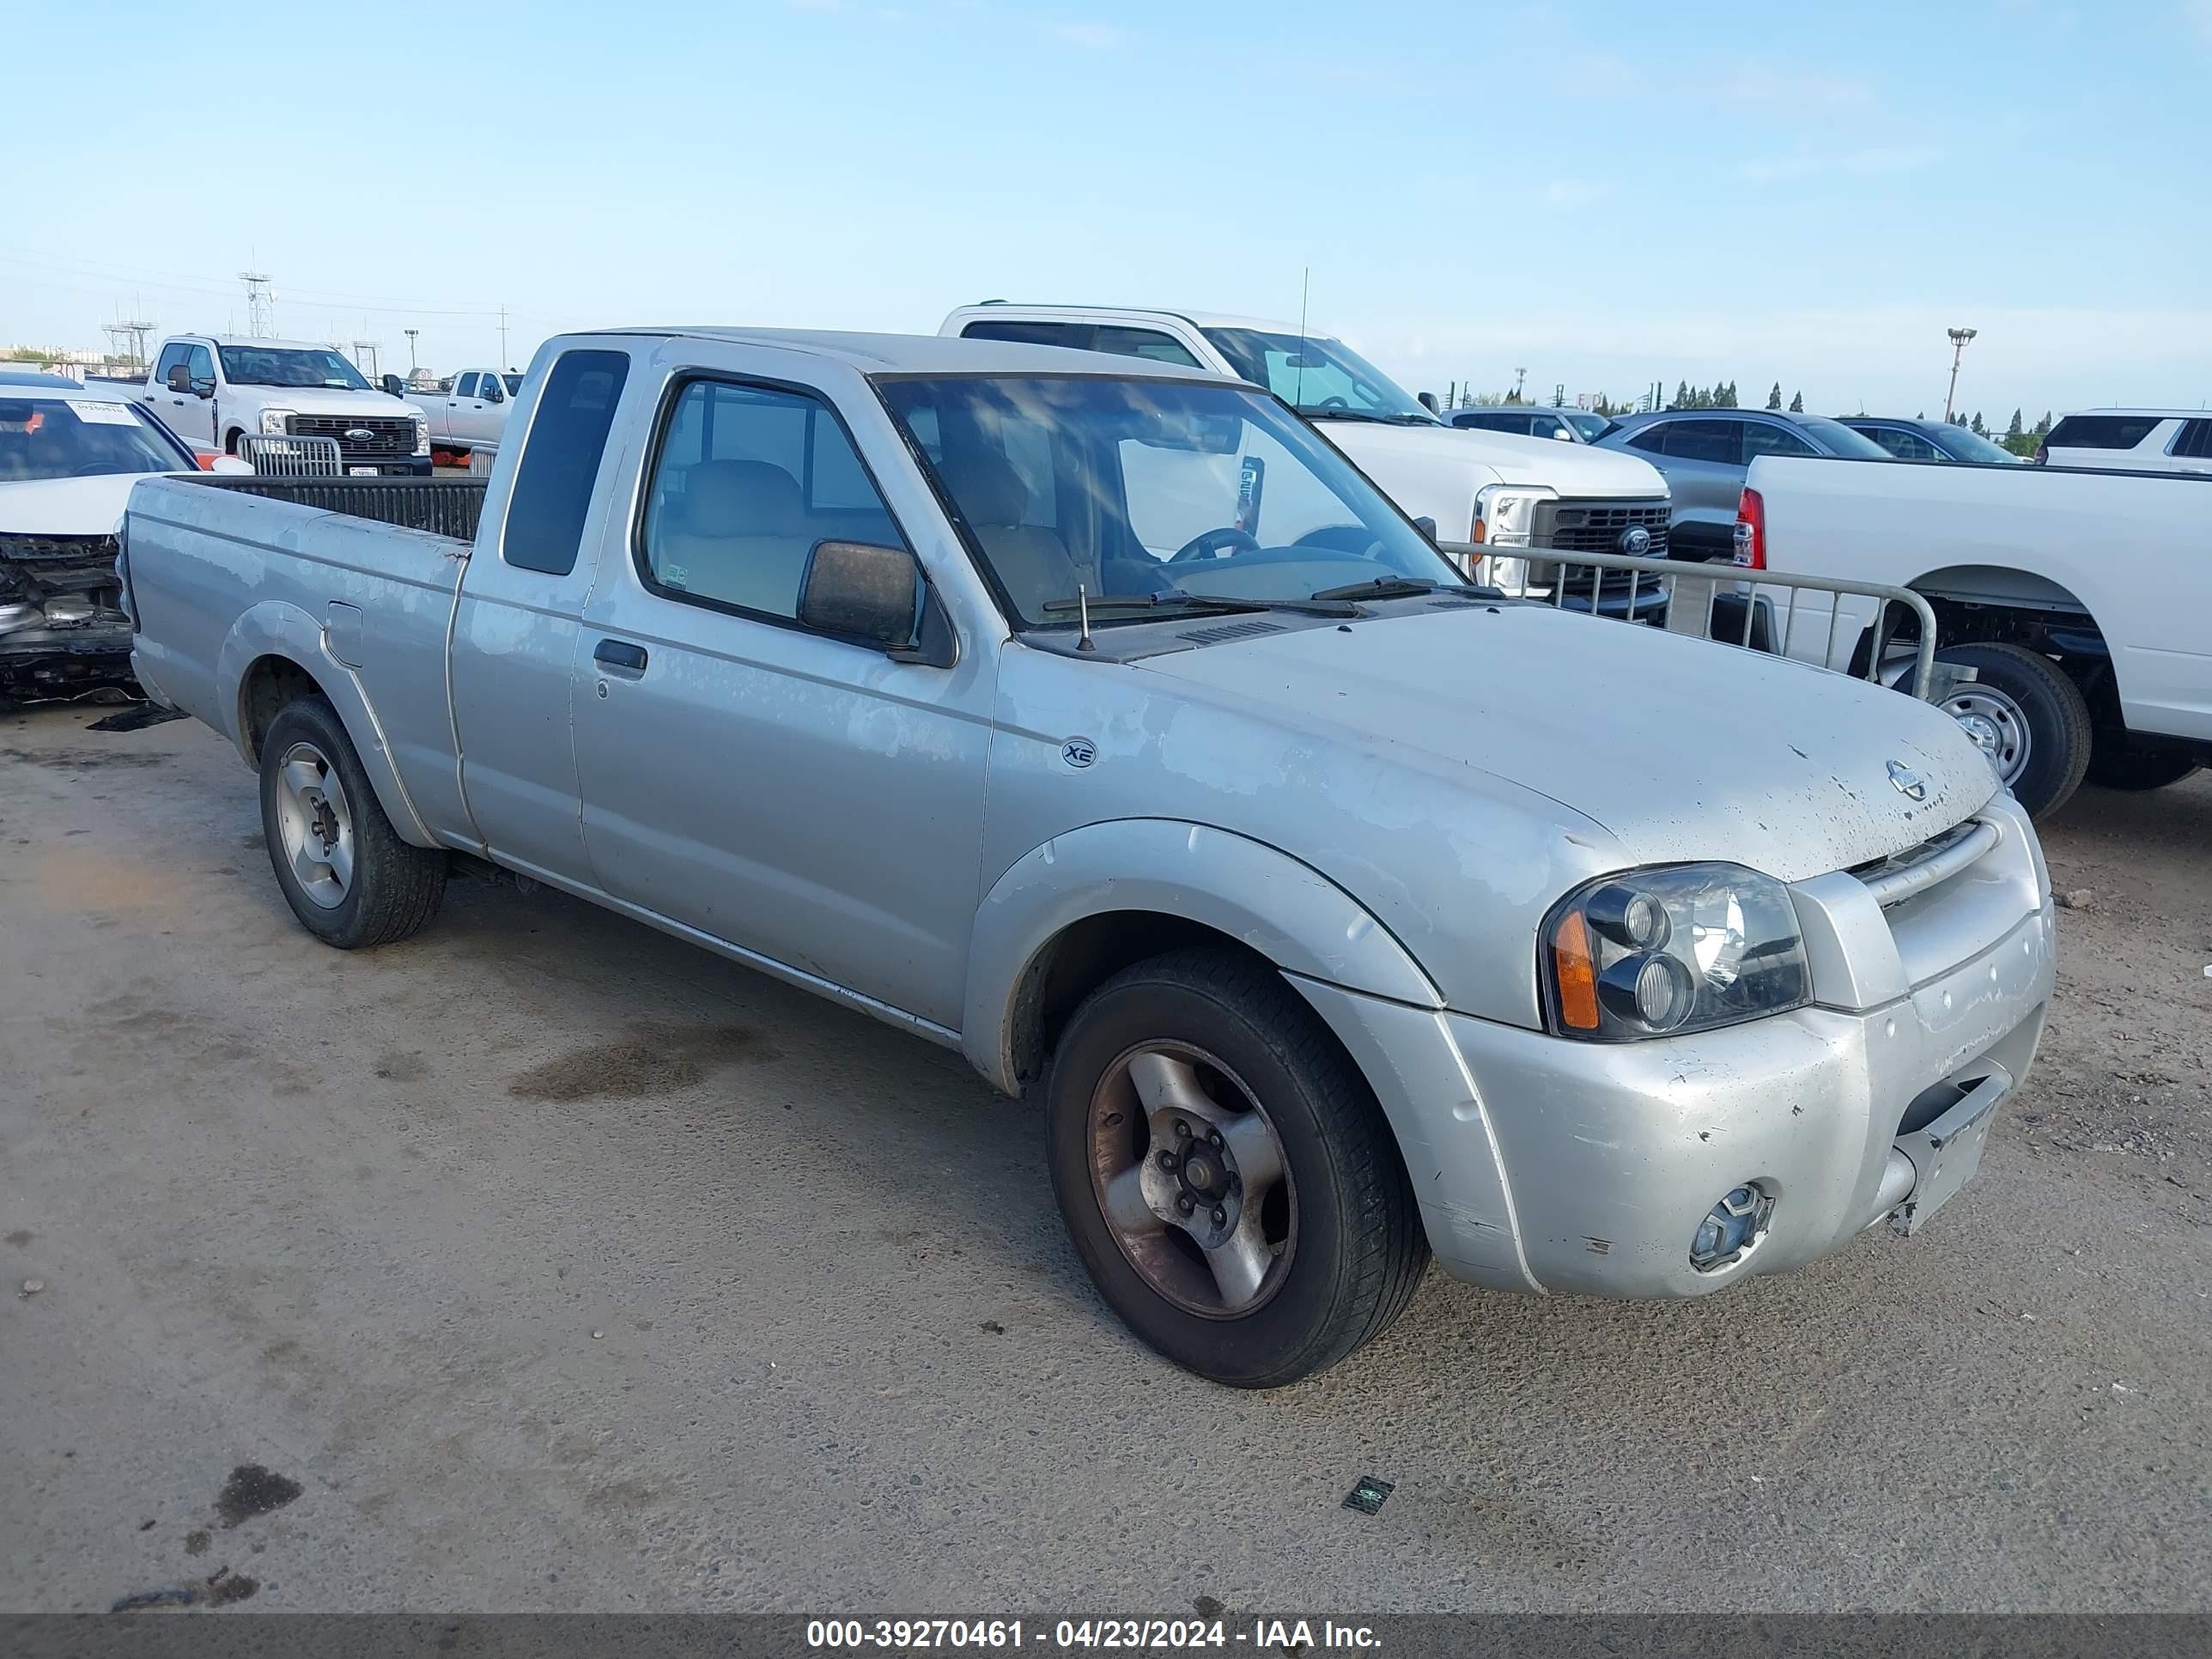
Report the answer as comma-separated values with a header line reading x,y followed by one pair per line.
x,y
1523,575
481,456
442,507
275,457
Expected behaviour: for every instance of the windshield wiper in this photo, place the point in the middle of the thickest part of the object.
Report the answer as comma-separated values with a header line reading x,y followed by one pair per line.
x,y
1221,603
1317,412
1394,587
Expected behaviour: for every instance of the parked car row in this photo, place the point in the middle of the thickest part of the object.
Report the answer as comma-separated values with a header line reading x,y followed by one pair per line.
x,y
1129,740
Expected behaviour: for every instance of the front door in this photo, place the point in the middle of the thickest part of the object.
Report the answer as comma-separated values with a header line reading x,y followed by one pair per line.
x,y
800,796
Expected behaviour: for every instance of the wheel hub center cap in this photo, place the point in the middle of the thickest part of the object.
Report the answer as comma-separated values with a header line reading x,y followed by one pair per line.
x,y
1201,1174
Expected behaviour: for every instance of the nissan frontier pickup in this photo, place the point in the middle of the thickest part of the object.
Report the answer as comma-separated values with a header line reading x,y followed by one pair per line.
x,y
1334,914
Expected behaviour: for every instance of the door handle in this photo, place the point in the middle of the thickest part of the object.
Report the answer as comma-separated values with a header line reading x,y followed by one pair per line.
x,y
620,655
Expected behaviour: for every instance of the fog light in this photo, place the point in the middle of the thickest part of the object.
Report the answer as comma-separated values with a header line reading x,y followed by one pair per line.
x,y
1731,1230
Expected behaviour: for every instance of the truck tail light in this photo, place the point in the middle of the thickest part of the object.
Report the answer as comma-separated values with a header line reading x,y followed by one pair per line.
x,y
2042,455
1751,530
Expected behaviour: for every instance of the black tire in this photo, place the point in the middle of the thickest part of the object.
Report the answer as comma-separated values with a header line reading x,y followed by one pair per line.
x,y
2116,765
2055,715
1360,1248
392,887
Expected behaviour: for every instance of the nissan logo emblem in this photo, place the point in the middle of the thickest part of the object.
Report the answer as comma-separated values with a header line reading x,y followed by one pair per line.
x,y
1635,541
1906,782
360,434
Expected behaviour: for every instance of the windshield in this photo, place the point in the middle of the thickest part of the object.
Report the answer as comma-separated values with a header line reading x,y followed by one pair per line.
x,y
58,438
1839,440
1150,493
1317,376
286,366
1592,427
1968,445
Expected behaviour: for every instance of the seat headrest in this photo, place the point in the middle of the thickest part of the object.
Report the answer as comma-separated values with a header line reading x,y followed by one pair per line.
x,y
742,498
986,486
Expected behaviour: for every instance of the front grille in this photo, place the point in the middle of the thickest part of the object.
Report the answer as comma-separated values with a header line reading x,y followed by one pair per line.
x,y
390,437
1597,527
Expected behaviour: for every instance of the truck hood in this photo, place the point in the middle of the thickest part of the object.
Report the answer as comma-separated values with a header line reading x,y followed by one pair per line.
x,y
323,400
1385,453
66,507
1683,749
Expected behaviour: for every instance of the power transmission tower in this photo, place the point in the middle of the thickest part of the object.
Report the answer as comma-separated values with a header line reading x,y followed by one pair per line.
x,y
260,305
134,333
364,357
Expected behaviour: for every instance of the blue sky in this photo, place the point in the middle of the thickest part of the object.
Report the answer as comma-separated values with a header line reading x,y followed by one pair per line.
x,y
1606,194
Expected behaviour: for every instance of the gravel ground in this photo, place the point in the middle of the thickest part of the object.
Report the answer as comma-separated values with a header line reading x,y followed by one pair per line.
x,y
546,1262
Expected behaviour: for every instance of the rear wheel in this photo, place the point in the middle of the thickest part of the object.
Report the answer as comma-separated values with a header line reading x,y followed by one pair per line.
x,y
2027,716
346,874
1225,1172
2116,765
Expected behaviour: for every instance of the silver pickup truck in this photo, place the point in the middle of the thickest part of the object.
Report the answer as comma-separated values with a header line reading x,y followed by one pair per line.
x,y
1333,912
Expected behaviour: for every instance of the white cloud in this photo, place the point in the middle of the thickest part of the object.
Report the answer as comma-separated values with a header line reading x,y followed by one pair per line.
x,y
1091,37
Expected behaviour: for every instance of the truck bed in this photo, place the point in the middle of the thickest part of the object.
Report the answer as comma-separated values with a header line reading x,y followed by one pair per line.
x,y
438,507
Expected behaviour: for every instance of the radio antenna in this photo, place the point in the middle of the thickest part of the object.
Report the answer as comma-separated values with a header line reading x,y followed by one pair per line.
x,y
1083,610
1299,386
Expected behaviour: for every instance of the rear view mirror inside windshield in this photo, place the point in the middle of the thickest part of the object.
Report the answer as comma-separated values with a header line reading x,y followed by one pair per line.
x,y
1207,434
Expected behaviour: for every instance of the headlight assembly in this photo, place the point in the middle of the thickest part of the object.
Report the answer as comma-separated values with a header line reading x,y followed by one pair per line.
x,y
1505,515
273,421
1663,951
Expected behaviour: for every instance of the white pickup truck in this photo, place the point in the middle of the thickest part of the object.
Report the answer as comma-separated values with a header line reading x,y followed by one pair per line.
x,y
1503,490
2081,599
211,390
470,413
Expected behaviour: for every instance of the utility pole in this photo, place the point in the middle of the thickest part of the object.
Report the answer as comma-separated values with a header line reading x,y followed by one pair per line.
x,y
413,367
1958,338
364,357
1519,375
502,336
260,305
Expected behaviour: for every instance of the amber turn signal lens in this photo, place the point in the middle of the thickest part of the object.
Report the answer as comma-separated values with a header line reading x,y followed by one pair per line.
x,y
1574,972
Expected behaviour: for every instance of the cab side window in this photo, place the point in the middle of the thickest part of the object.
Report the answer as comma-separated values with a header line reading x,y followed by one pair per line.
x,y
199,363
466,386
747,481
173,357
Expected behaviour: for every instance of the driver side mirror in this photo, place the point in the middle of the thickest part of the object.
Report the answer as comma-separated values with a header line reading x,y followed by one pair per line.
x,y
864,592
1429,402
392,385
1426,525
493,393
180,378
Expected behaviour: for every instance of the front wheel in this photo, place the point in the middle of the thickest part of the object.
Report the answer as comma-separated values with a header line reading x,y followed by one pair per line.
x,y
346,874
1225,1172
2028,717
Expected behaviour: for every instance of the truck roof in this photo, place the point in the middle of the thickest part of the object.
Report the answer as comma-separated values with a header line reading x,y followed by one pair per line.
x,y
253,340
928,354
1195,319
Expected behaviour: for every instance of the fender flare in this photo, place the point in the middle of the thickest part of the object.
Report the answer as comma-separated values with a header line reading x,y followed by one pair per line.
x,y
275,628
1288,912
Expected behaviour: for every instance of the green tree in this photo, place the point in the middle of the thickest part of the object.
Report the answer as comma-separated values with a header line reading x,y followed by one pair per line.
x,y
1976,427
2042,426
1774,398
2016,429
1798,403
1681,396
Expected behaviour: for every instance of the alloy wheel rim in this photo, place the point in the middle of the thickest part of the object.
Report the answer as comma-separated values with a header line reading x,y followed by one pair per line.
x,y
315,823
1191,1179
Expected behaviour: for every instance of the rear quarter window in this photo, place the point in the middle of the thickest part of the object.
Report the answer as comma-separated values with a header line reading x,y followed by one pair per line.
x,y
2102,431
560,460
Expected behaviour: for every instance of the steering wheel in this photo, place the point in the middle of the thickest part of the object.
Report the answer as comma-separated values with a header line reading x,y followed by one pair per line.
x,y
1332,402
1216,543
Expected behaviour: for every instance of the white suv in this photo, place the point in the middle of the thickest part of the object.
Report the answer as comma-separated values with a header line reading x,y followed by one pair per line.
x,y
2133,440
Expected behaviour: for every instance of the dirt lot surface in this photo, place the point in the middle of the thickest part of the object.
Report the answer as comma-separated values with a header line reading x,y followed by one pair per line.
x,y
546,1262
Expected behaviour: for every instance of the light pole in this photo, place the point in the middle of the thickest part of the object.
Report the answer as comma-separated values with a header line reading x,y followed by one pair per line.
x,y
1958,338
411,366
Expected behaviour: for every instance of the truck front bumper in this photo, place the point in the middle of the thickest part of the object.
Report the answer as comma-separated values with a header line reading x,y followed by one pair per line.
x,y
1543,1164
59,662
413,466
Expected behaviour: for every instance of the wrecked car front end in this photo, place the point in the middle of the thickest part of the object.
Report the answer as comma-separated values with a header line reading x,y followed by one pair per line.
x,y
62,628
